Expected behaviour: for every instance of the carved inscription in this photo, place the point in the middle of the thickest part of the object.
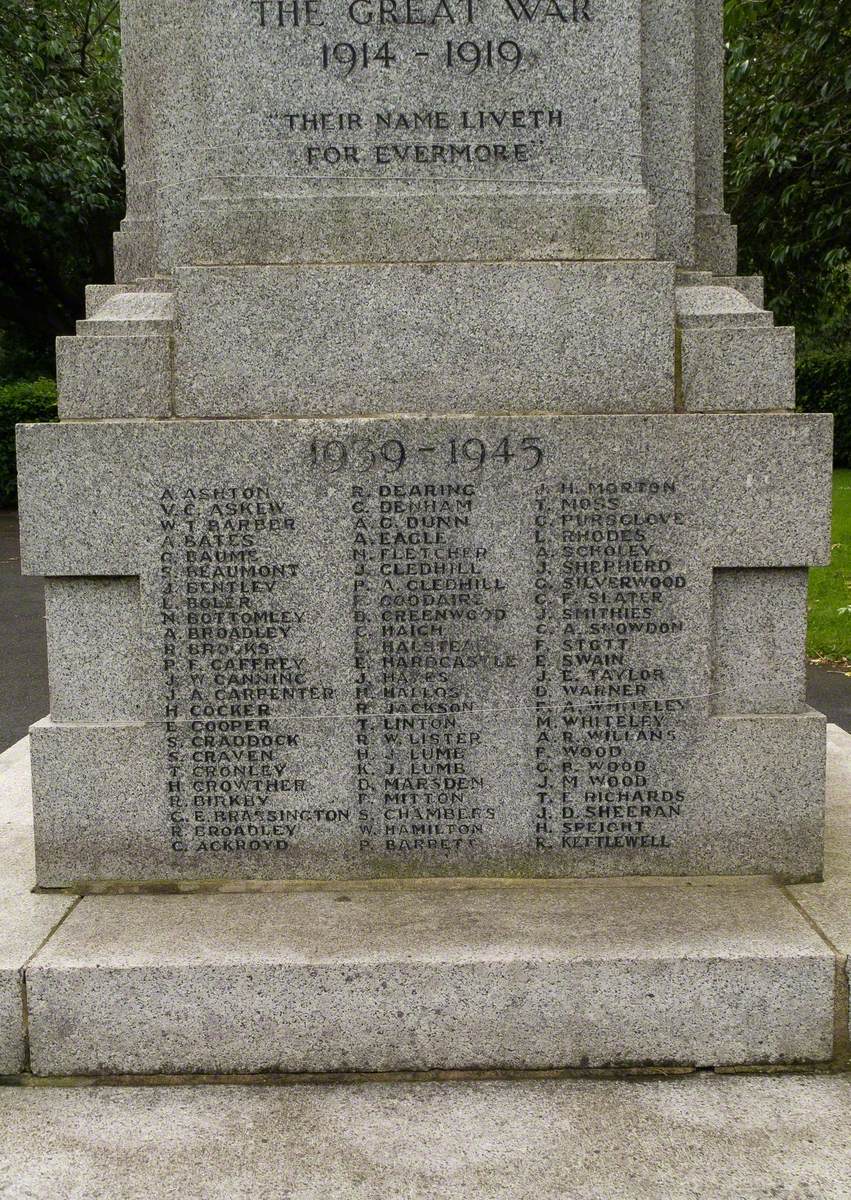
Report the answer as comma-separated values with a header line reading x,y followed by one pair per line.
x,y
424,655
236,672
437,607
606,605
442,89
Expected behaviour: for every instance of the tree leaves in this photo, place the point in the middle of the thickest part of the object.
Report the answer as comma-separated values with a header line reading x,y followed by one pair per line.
x,y
61,154
789,154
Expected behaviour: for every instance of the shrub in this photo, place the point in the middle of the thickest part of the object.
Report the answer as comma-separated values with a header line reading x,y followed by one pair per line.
x,y
22,400
789,153
824,385
61,155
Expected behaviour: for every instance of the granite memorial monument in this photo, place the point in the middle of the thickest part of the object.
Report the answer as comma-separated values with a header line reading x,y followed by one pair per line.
x,y
426,531
428,498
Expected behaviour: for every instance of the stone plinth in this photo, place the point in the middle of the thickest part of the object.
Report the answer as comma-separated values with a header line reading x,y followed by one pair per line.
x,y
515,646
409,975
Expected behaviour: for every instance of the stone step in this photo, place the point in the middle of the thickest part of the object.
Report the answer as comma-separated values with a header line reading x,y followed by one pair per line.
x,y
420,976
417,976
703,1137
26,920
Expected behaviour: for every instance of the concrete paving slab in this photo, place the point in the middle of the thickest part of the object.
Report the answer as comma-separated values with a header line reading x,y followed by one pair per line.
x,y
828,904
418,978
837,846
829,691
697,1138
837,849
15,782
25,920
838,767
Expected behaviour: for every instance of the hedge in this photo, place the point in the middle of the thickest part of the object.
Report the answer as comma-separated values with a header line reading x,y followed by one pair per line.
x,y
824,385
22,400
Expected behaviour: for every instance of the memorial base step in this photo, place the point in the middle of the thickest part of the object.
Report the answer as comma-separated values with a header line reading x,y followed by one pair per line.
x,y
458,975
420,977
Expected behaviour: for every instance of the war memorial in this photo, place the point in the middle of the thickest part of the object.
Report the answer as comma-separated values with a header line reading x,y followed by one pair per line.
x,y
425,539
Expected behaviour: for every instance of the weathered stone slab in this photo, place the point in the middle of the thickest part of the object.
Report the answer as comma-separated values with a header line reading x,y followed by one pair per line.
x,y
601,138
759,627
407,227
419,978
728,1136
771,470
720,1135
764,812
431,338
95,646
427,647
258,122
25,920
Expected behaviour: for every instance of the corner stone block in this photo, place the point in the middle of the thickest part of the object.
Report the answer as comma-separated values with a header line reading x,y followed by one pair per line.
x,y
106,377
759,627
706,305
97,294
751,286
86,777
95,653
717,243
738,368
132,249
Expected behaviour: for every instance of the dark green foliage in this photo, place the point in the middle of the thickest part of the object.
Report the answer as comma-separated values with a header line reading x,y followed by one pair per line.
x,y
24,400
789,155
824,385
61,182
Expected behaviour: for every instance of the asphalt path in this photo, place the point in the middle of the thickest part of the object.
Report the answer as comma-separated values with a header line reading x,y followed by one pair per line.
x,y
23,655
23,658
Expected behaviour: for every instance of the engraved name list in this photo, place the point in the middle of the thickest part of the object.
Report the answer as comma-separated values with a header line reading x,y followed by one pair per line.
x,y
441,656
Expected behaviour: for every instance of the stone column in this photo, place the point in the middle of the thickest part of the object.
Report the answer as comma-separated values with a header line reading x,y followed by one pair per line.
x,y
715,236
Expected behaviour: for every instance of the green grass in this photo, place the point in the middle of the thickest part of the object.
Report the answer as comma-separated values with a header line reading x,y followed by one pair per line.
x,y
829,624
